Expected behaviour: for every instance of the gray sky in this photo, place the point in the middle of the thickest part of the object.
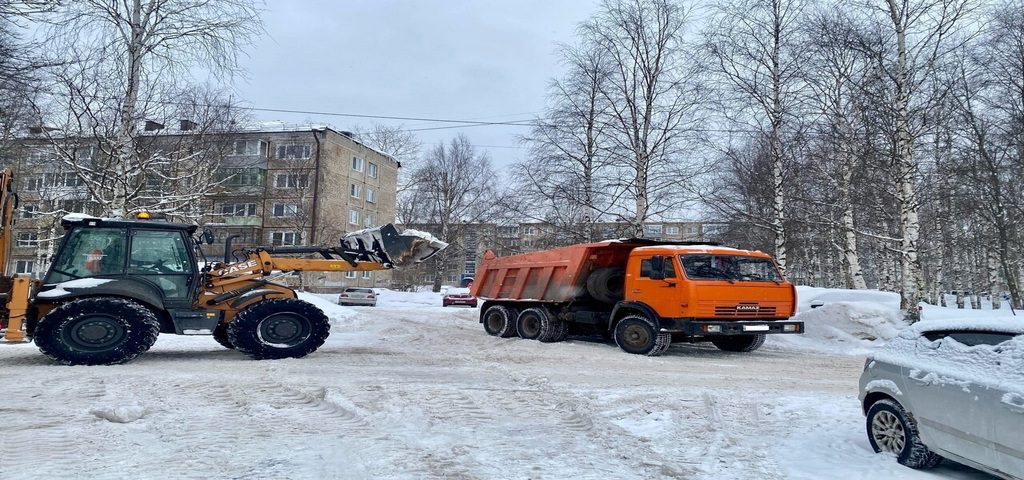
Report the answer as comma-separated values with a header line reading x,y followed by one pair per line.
x,y
485,60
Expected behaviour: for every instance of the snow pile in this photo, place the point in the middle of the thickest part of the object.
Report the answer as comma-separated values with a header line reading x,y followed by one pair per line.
x,y
848,321
337,314
392,298
932,312
59,289
122,414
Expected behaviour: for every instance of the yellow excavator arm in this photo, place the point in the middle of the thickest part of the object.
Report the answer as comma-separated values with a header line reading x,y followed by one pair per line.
x,y
14,289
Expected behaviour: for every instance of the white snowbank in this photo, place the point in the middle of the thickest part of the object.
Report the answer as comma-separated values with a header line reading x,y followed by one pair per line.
x,y
849,321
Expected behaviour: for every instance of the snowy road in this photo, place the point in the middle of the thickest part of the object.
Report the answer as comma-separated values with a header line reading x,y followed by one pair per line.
x,y
407,390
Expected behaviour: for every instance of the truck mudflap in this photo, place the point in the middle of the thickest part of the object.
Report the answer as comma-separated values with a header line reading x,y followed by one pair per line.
x,y
713,328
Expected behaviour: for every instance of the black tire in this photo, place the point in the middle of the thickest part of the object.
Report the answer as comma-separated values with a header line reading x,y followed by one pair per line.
x,y
500,321
639,335
530,323
739,343
97,331
279,328
891,429
606,284
552,329
220,334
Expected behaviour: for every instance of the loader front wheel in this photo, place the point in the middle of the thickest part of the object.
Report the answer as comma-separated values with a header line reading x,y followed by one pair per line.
x,y
220,334
279,328
97,331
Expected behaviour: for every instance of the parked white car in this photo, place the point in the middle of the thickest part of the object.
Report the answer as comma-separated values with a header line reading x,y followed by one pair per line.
x,y
952,389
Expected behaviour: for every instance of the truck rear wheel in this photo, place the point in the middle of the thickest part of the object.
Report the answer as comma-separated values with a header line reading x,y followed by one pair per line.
x,y
279,328
500,321
97,331
638,334
739,343
552,328
530,323
606,284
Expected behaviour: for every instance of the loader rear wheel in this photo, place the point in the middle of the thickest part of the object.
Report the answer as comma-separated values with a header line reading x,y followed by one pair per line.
x,y
638,334
500,321
279,328
220,334
739,343
97,331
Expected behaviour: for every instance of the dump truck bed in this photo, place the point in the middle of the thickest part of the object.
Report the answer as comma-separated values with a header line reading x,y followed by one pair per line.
x,y
557,275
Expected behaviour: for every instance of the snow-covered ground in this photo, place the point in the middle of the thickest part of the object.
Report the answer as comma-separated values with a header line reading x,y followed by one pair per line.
x,y
413,390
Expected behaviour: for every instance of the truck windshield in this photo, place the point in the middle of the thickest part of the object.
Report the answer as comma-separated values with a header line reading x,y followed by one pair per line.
x,y
730,267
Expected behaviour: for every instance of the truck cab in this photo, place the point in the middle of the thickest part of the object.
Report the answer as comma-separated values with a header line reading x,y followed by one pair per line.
x,y
708,282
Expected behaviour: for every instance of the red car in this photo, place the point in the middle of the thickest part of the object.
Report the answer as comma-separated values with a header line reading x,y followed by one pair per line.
x,y
458,296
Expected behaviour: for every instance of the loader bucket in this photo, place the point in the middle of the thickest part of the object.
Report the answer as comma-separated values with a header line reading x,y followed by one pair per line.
x,y
398,249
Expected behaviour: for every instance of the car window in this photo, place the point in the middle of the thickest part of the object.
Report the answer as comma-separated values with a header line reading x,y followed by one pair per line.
x,y
971,338
359,290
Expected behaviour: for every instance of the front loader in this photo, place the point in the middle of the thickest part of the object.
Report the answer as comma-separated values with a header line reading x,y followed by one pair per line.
x,y
114,285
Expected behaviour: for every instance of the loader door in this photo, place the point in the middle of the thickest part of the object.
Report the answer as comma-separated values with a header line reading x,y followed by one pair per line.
x,y
163,258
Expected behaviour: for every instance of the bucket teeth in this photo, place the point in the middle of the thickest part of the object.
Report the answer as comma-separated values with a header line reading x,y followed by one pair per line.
x,y
385,245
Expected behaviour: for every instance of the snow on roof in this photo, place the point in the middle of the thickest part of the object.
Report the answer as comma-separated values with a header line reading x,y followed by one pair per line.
x,y
701,249
59,290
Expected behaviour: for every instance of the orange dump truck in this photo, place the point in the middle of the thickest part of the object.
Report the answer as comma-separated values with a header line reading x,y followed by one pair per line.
x,y
643,294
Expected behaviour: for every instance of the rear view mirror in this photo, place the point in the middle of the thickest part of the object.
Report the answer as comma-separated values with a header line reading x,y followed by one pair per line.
x,y
208,236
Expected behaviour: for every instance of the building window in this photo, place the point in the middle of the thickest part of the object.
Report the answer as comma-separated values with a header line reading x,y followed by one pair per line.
x,y
353,217
357,164
291,180
285,210
71,206
40,156
85,153
371,195
29,210
28,239
24,266
356,191
691,230
672,230
33,184
240,177
453,278
293,151
238,210
285,238
531,231
370,218
248,147
371,169
652,230
367,274
350,274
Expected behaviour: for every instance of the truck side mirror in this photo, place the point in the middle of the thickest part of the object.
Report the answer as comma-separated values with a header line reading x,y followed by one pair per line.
x,y
658,268
208,236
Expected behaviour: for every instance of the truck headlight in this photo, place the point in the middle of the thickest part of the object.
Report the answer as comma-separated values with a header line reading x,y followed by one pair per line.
x,y
713,328
791,328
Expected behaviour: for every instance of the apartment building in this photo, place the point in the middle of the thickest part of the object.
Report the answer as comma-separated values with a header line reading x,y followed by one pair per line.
x,y
283,186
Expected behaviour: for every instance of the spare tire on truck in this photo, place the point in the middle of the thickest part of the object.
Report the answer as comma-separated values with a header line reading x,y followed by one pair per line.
x,y
606,284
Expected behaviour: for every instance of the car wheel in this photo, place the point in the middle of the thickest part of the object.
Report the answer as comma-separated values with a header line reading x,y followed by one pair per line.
x,y
97,331
892,430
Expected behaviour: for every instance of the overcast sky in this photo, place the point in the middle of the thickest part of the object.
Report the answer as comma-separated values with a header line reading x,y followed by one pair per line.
x,y
484,60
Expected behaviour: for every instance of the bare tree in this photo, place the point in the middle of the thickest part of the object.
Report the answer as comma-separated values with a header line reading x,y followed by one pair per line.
x,y
756,48
404,147
909,42
127,56
564,181
456,185
654,92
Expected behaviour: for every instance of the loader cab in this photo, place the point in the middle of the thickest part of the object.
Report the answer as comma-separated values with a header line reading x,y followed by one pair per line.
x,y
155,260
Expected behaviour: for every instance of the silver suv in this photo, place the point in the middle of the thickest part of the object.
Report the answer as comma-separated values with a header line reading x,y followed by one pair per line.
x,y
949,389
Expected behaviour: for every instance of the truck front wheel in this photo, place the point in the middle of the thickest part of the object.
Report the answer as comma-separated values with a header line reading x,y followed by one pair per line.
x,y
739,343
500,321
638,334
97,331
